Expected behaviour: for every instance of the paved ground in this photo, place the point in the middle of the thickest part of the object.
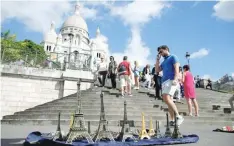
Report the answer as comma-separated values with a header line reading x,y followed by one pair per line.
x,y
13,134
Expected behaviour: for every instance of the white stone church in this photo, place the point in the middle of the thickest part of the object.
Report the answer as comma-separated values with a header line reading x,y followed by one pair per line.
x,y
73,39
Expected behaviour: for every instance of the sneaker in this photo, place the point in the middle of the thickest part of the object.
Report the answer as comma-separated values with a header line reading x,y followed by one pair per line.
x,y
129,94
180,120
197,115
122,95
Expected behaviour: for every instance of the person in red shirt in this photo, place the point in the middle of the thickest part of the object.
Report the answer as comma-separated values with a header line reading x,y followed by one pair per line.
x,y
124,71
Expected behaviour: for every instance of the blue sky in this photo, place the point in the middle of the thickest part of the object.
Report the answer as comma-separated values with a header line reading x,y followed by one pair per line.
x,y
204,29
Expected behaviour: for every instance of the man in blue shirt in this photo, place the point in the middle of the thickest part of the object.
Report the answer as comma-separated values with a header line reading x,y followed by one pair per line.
x,y
170,68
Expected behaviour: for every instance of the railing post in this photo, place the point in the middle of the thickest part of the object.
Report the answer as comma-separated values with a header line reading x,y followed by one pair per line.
x,y
61,88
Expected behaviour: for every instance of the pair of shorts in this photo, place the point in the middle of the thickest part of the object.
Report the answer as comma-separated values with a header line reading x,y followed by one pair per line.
x,y
124,79
168,88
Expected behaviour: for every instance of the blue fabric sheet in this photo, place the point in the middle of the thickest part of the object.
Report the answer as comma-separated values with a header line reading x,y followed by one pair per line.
x,y
36,139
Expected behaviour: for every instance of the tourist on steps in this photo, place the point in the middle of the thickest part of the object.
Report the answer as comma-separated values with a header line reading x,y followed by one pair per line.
x,y
112,71
157,80
147,76
124,71
136,71
170,68
189,90
102,71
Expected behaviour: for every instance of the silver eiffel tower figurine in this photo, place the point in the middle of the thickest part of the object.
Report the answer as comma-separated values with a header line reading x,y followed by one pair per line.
x,y
176,133
58,134
125,131
157,130
103,131
168,130
78,130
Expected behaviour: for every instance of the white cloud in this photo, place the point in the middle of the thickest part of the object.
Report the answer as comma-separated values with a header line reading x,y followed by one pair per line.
x,y
38,15
136,14
224,10
136,50
206,76
232,75
200,53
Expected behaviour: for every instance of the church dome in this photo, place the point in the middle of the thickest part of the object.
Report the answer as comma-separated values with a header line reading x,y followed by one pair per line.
x,y
51,35
76,20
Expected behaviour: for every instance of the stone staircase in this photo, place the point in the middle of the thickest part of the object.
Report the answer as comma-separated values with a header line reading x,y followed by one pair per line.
x,y
141,101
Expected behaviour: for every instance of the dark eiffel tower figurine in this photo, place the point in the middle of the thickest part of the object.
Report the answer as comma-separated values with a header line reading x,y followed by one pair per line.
x,y
176,133
103,131
58,134
168,130
125,131
157,130
78,129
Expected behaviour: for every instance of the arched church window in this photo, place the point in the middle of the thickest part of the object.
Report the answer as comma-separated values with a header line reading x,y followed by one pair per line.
x,y
47,48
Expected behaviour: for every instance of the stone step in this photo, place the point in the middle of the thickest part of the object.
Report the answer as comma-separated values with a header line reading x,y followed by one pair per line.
x,y
111,100
116,104
119,113
137,123
88,111
108,98
96,107
112,117
88,117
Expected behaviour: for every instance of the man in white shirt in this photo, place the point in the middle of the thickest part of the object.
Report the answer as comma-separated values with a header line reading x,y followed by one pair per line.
x,y
102,71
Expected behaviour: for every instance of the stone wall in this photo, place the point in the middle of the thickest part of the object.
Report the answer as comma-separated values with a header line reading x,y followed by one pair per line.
x,y
25,87
18,94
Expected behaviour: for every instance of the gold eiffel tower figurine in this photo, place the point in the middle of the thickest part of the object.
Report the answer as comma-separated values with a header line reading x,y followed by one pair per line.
x,y
143,134
151,129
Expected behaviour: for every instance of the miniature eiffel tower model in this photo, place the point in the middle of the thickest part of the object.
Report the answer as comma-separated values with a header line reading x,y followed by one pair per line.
x,y
103,131
143,134
168,130
78,129
176,133
151,129
125,131
71,123
58,134
157,130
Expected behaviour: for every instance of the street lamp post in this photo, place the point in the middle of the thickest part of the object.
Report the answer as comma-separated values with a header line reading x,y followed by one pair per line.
x,y
69,55
187,57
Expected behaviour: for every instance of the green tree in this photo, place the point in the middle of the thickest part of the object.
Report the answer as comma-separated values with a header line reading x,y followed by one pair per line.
x,y
26,50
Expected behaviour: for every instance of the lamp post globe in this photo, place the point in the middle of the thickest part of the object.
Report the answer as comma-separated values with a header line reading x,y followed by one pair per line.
x,y
187,55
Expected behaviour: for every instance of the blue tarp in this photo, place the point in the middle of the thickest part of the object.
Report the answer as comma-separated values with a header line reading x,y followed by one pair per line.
x,y
36,139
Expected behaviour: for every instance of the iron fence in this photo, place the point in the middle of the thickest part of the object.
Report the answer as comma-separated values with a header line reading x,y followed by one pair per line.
x,y
52,60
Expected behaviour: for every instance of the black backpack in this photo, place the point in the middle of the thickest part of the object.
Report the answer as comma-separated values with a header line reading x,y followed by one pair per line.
x,y
122,69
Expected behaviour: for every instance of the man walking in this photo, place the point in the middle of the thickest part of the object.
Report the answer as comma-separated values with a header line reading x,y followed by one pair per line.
x,y
170,68
124,71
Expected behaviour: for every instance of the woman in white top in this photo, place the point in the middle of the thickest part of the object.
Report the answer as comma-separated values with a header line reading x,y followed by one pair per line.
x,y
102,71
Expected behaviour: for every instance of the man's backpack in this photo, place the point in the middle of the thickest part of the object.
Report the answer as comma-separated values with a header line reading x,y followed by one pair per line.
x,y
122,69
